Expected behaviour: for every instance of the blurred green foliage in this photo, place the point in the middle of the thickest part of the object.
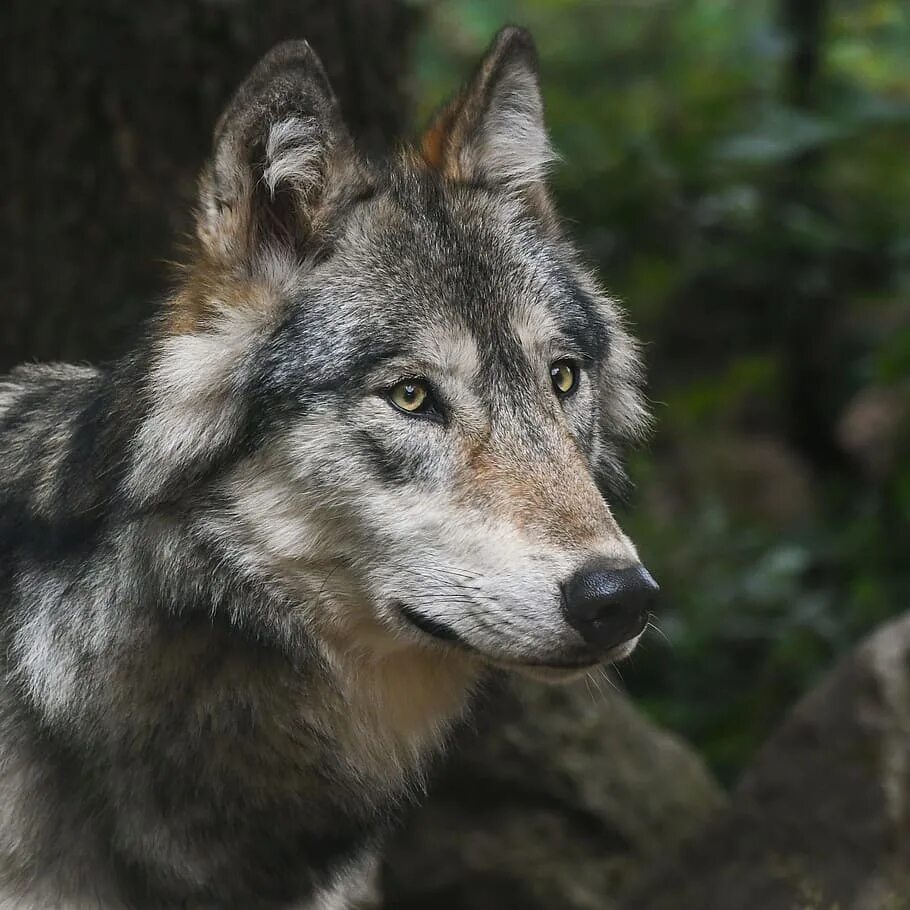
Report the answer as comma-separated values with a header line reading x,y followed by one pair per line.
x,y
740,174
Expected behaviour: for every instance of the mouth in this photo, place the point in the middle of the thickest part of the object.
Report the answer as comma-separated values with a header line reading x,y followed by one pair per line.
x,y
557,669
431,627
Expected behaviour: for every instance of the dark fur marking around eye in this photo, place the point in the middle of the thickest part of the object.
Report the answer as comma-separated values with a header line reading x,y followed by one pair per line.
x,y
298,363
584,325
389,466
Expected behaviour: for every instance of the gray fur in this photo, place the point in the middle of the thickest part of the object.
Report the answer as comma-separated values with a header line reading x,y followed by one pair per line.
x,y
245,600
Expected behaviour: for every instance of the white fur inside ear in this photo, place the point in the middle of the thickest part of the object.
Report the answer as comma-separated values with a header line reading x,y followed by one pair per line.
x,y
514,146
295,151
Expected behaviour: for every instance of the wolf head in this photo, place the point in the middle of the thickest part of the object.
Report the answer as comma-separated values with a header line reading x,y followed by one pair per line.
x,y
406,396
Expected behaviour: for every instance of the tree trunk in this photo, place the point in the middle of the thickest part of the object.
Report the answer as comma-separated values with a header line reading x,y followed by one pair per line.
x,y
811,339
108,110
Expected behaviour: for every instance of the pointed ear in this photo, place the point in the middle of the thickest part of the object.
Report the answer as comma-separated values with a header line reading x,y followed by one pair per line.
x,y
277,147
493,130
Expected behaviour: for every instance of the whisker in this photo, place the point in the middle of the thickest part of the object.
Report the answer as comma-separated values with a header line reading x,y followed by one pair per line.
x,y
433,571
606,673
594,679
587,678
652,624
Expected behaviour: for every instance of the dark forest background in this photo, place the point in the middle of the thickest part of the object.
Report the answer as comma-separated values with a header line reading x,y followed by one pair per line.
x,y
740,174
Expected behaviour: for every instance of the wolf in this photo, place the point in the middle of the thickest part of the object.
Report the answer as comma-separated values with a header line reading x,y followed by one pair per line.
x,y
253,574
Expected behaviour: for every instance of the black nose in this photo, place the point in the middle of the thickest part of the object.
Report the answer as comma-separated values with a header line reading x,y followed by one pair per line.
x,y
607,605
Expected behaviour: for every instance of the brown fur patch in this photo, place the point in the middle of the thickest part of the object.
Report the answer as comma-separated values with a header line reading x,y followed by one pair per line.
x,y
435,141
398,699
443,142
554,499
210,286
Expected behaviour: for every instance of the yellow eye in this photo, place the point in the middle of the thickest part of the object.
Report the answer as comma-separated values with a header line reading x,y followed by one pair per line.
x,y
410,395
564,376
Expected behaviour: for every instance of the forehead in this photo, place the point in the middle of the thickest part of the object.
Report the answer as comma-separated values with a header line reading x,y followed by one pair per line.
x,y
461,276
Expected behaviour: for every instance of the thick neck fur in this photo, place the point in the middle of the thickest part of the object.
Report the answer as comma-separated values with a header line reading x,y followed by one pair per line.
x,y
183,713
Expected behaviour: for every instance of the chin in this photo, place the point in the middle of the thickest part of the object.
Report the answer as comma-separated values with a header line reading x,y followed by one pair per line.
x,y
552,675
558,669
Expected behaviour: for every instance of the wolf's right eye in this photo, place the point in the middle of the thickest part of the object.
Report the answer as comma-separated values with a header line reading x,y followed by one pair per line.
x,y
411,396
564,376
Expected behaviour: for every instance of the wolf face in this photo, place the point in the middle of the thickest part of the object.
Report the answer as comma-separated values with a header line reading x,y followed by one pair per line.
x,y
431,393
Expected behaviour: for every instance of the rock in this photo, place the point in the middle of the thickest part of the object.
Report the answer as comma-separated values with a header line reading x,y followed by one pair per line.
x,y
873,428
562,802
821,821
755,475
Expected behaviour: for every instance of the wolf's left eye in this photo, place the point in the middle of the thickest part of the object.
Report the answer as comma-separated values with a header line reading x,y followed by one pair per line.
x,y
411,396
564,376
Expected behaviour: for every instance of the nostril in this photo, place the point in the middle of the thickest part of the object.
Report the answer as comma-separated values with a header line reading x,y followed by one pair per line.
x,y
606,605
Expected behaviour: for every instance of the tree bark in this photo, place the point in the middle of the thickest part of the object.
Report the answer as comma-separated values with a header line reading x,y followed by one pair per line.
x,y
108,110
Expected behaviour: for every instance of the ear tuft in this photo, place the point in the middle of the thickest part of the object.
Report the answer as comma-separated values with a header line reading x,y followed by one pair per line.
x,y
293,153
275,147
493,131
